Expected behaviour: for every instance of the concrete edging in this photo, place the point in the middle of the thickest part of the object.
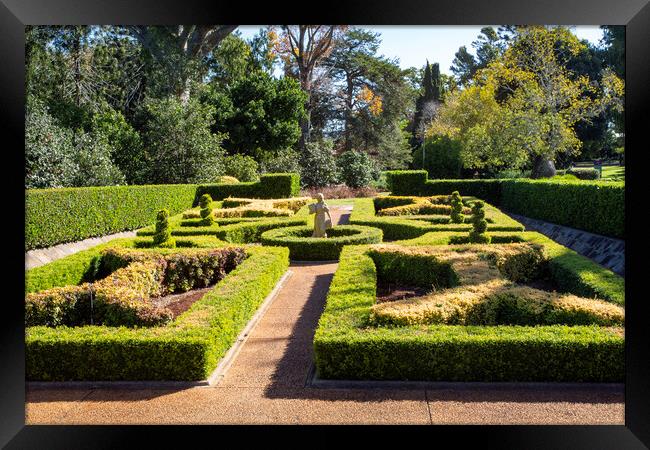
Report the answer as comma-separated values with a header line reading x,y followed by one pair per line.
x,y
214,378
314,381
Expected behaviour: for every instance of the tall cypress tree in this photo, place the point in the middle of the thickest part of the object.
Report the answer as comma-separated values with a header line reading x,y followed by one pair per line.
x,y
426,103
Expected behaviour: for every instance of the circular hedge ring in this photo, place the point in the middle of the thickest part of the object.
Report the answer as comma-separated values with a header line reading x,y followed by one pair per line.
x,y
303,247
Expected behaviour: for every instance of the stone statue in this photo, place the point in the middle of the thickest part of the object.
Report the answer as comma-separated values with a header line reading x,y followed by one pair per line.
x,y
323,220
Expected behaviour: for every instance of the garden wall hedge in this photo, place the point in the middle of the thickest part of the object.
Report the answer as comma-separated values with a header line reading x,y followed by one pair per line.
x,y
594,206
55,216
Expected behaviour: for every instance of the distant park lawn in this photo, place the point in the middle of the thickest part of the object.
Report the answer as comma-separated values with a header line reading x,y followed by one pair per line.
x,y
613,173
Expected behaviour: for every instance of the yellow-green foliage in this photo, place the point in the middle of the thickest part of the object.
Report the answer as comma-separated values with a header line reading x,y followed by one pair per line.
x,y
234,207
437,204
487,294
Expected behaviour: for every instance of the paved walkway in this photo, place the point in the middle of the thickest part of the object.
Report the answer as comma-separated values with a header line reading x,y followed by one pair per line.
x,y
41,256
267,383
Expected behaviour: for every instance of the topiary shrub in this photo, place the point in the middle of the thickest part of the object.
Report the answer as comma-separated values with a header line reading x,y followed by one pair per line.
x,y
205,203
225,179
242,167
479,224
457,208
163,235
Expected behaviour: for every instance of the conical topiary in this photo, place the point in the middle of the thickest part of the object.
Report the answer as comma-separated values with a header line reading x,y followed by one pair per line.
x,y
205,202
163,235
479,225
457,208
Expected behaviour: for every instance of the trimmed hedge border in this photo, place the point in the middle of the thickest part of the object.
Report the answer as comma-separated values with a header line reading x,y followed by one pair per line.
x,y
303,247
186,350
401,227
273,185
55,216
345,347
594,206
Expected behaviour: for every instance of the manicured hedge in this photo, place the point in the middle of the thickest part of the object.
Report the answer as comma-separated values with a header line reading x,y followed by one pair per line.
x,y
598,207
187,349
345,347
303,247
403,227
594,206
274,185
53,216
571,271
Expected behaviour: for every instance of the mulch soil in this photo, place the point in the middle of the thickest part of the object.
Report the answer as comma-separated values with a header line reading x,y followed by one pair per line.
x,y
179,303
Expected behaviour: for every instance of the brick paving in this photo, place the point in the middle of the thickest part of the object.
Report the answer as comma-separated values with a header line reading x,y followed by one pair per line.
x,y
267,384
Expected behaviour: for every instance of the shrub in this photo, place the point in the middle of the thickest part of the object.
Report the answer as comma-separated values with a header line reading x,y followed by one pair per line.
x,y
163,235
53,216
457,208
285,160
243,168
479,224
205,203
339,191
356,168
225,179
318,165
132,278
441,157
584,173
304,247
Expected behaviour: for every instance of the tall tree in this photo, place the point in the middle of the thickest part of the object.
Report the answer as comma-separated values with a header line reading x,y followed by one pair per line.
x,y
488,46
179,49
525,105
303,48
427,104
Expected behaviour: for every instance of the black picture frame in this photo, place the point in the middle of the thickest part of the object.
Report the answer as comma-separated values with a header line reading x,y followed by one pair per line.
x,y
635,14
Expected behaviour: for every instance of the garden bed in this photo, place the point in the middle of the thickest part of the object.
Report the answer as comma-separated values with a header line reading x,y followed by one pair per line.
x,y
350,343
187,348
306,248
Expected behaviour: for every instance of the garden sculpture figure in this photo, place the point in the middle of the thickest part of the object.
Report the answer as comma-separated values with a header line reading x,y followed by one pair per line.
x,y
323,220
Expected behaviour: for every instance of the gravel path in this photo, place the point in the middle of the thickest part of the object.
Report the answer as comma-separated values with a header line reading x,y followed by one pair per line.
x,y
267,383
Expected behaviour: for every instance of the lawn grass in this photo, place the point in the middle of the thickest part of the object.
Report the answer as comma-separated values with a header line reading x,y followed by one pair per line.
x,y
613,173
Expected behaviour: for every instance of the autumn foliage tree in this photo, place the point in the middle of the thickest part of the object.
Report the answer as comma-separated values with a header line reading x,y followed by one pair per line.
x,y
523,106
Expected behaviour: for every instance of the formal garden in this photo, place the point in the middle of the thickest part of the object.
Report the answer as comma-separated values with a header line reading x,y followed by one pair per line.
x,y
291,210
434,282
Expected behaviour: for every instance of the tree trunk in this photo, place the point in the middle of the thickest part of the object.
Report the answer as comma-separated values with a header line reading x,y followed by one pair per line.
x,y
305,123
542,167
348,114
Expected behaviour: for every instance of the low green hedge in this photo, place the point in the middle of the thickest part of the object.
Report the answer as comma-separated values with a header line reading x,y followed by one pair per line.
x,y
274,185
594,206
403,227
598,206
54,216
187,349
345,347
303,247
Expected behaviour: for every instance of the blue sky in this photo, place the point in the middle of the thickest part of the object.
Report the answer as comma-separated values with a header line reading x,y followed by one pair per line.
x,y
413,45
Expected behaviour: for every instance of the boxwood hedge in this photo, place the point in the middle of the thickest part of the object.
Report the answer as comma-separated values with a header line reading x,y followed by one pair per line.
x,y
303,247
594,206
187,349
54,216
403,227
345,347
